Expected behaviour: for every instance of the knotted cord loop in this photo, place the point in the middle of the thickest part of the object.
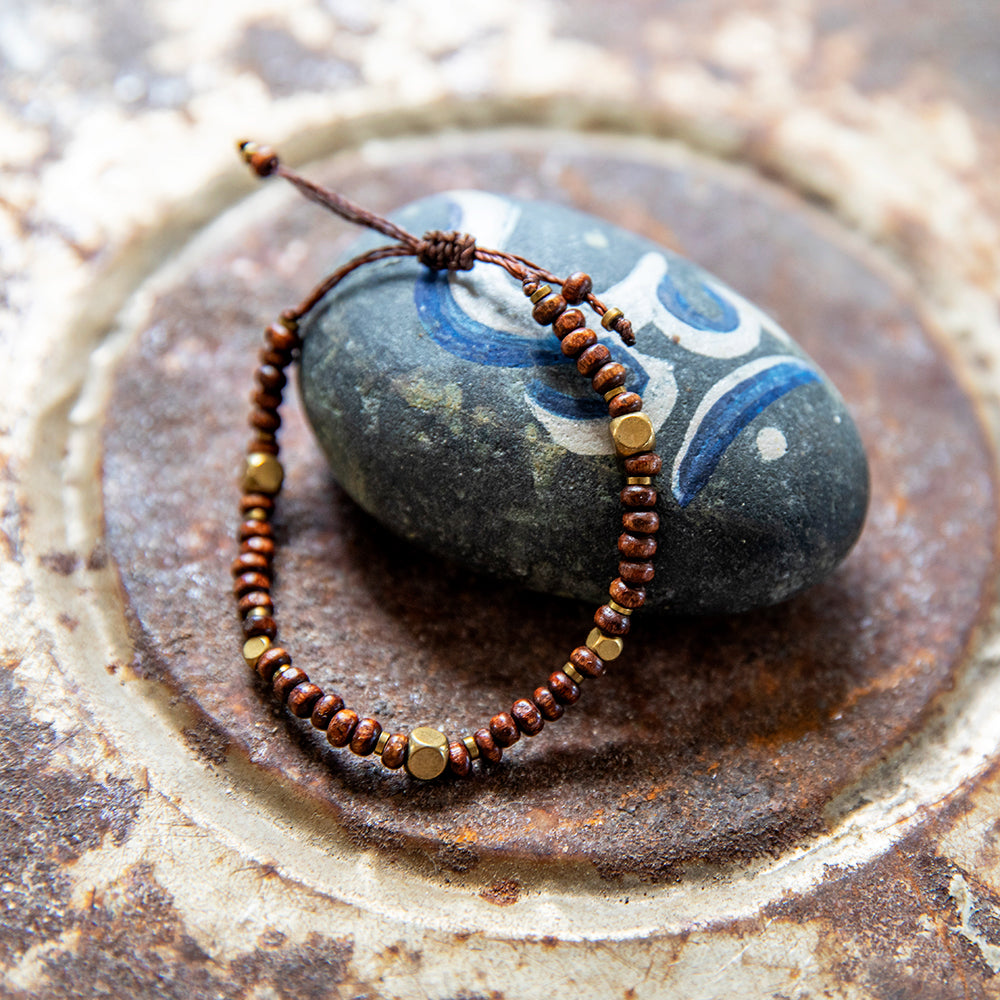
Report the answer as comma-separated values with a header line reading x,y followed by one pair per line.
x,y
450,251
440,251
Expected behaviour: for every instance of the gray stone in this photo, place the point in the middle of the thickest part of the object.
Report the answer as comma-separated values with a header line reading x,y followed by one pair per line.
x,y
454,419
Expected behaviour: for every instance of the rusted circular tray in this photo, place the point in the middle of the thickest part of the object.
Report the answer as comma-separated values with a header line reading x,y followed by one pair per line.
x,y
710,740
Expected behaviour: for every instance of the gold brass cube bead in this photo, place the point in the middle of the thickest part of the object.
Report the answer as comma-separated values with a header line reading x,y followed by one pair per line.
x,y
426,753
572,673
607,647
471,746
632,433
540,294
263,473
254,648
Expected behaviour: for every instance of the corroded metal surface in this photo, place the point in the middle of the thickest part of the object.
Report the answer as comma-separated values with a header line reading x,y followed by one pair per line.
x,y
711,740
143,857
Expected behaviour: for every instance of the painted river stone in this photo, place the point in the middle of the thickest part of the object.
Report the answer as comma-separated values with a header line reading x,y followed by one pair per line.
x,y
454,419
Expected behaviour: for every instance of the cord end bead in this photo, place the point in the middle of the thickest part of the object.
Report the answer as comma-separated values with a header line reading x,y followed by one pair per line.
x,y
261,159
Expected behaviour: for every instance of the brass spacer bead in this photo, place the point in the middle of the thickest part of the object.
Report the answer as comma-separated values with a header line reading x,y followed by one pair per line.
x,y
282,669
572,673
611,317
382,740
263,473
256,514
257,613
540,294
638,481
471,746
632,433
426,753
607,647
615,606
611,393
254,649
291,325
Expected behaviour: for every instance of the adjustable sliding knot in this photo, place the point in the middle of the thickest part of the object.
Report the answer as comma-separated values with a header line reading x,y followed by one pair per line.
x,y
447,251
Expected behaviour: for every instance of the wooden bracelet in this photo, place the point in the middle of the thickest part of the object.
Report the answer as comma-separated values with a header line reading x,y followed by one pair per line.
x,y
427,752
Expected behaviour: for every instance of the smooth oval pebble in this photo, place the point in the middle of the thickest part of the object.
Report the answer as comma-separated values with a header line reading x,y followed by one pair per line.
x,y
447,413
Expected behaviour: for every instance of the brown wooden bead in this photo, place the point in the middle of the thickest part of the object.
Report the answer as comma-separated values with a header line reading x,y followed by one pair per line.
x,y
267,444
547,704
256,501
394,751
646,463
625,402
459,761
302,699
342,727
643,522
569,321
270,378
266,400
366,735
260,529
264,420
636,572
281,338
577,287
636,546
626,596
564,690
325,709
592,358
609,377
250,562
255,599
586,661
529,286
549,309
276,359
638,496
612,622
258,544
488,749
527,717
577,341
504,730
246,582
271,660
255,625
283,683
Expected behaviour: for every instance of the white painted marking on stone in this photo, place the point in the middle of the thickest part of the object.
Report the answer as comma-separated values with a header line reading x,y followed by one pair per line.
x,y
771,443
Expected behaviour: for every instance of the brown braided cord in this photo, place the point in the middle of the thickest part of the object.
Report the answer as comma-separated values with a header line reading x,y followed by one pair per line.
x,y
447,251
440,251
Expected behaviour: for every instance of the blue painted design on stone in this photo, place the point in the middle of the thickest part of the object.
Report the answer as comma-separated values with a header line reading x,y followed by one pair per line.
x,y
459,334
725,320
590,406
454,419
728,416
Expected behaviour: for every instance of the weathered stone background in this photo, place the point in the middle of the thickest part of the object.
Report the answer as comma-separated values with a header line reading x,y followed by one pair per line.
x,y
139,860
